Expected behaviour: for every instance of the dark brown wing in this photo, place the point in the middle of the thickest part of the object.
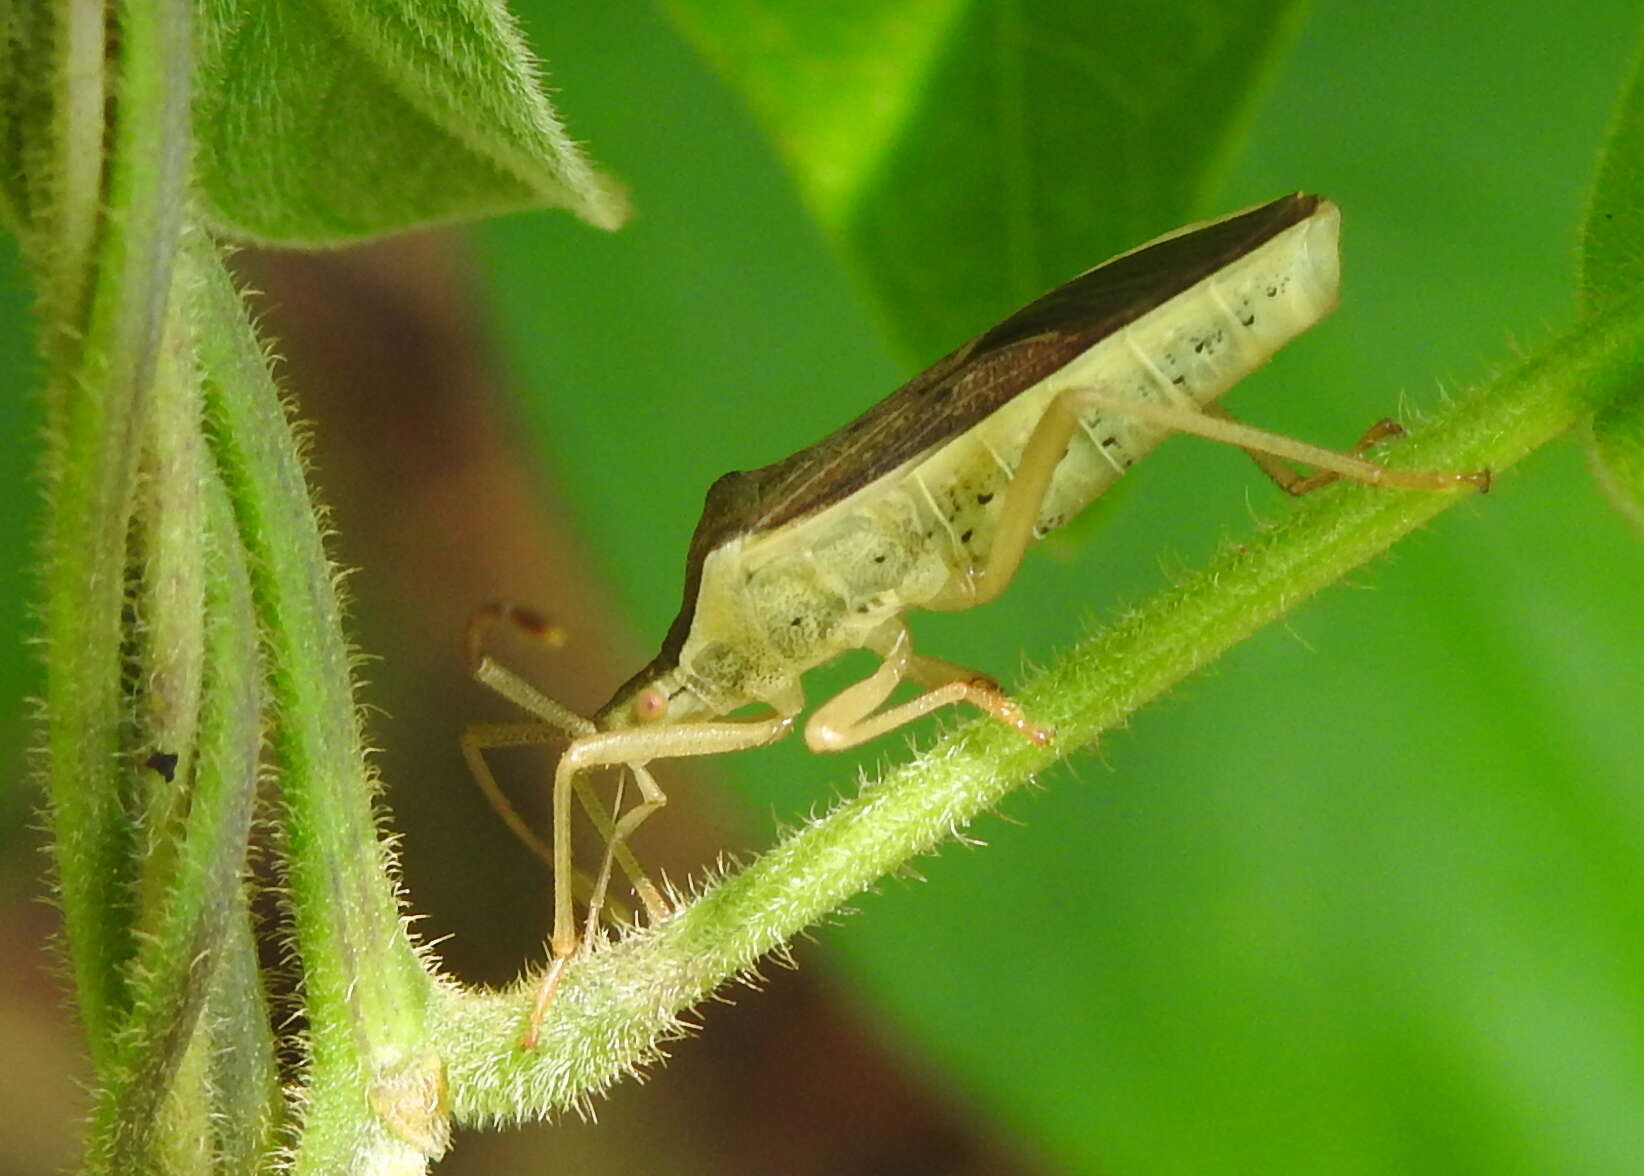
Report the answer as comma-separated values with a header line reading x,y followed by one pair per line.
x,y
967,384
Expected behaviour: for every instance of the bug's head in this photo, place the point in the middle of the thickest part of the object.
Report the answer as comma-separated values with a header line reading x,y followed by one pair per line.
x,y
653,697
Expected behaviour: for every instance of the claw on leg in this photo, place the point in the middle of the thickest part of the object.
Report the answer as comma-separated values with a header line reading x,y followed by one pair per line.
x,y
984,693
544,999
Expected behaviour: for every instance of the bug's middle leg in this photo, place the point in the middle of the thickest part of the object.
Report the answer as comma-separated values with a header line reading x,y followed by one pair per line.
x,y
853,717
1020,507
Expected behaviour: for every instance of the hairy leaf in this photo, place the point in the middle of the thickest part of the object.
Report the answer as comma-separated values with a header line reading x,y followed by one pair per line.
x,y
322,121
1612,264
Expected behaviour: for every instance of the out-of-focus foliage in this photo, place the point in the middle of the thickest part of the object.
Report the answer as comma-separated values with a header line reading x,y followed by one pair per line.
x,y
956,150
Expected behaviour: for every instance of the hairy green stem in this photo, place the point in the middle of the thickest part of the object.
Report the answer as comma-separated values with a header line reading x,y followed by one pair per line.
x,y
155,1117
104,358
616,1004
247,1105
364,986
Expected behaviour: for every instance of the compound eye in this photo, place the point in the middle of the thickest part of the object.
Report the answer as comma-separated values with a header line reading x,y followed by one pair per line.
x,y
650,704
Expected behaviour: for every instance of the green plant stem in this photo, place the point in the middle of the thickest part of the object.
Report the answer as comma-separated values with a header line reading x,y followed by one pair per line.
x,y
365,989
170,573
108,300
243,1078
156,1112
616,1004
77,152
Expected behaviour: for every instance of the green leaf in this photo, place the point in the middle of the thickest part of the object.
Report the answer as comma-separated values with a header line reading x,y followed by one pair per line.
x,y
1618,456
968,156
322,121
1612,264
1612,240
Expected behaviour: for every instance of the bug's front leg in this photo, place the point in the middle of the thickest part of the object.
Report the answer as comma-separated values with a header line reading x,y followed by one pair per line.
x,y
633,748
478,738
852,716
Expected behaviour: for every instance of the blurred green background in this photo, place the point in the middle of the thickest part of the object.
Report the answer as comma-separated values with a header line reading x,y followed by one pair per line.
x,y
1363,899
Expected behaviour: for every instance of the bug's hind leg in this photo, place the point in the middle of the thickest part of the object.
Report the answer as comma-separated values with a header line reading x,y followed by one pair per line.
x,y
1285,476
1019,509
1217,425
852,716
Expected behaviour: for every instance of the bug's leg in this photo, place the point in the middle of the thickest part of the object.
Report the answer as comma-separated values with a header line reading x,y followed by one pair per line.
x,y
852,716
616,830
633,748
489,673
481,737
1019,509
602,880
1047,445
984,693
562,945
478,738
657,906
1219,427
1283,475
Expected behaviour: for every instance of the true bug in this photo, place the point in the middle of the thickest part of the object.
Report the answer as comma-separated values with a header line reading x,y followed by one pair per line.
x,y
928,500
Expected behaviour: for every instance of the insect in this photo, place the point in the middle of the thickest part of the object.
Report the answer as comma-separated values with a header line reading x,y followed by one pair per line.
x,y
929,500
